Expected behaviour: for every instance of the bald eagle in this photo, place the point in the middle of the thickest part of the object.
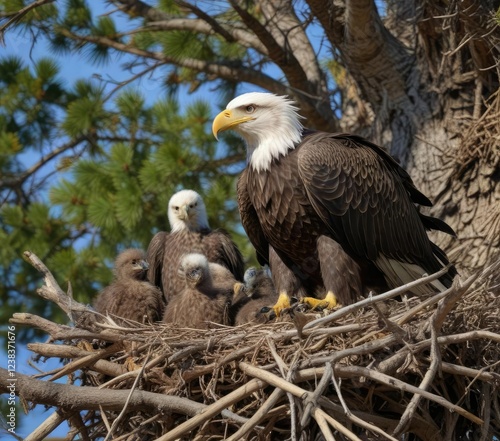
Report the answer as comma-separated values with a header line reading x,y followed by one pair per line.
x,y
333,212
190,233
205,296
131,296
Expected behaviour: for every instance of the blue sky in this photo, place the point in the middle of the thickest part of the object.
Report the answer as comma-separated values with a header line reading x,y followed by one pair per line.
x,y
73,67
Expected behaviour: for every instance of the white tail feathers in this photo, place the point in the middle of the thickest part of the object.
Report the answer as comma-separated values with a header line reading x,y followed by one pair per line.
x,y
400,273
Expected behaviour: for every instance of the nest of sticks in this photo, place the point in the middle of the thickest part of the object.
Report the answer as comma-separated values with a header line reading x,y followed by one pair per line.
x,y
383,368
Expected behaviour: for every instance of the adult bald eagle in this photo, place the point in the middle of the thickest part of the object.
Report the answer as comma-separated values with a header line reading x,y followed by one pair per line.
x,y
190,233
206,294
131,296
334,212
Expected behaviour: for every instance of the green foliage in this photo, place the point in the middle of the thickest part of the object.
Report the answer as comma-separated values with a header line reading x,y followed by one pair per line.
x,y
87,165
106,198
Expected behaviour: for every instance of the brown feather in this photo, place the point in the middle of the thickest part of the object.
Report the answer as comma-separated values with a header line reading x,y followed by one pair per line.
x,y
344,189
257,293
130,296
190,234
205,297
167,249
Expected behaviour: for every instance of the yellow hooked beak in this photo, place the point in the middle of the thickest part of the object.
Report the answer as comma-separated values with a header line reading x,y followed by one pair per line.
x,y
183,212
226,120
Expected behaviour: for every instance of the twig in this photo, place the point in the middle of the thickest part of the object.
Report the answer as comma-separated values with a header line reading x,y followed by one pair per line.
x,y
358,371
88,360
273,379
324,427
257,416
336,425
486,395
53,292
425,383
124,410
214,409
47,427
19,15
356,420
312,401
65,351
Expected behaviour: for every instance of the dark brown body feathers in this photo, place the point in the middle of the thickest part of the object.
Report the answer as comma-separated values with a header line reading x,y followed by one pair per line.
x,y
336,206
166,250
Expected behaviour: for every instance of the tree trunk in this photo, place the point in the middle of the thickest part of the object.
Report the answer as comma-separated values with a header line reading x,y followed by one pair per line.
x,y
431,87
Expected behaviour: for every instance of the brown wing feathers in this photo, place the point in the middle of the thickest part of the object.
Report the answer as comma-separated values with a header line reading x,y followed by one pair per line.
x,y
360,192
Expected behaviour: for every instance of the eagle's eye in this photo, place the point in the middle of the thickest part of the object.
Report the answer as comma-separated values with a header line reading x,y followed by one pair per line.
x,y
134,262
250,108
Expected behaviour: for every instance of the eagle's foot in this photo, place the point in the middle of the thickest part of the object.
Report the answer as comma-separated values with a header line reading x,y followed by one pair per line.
x,y
282,304
329,302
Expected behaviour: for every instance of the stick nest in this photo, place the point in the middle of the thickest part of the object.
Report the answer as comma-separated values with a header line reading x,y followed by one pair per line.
x,y
417,368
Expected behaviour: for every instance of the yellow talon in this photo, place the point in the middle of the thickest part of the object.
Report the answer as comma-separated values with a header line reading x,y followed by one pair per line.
x,y
282,303
329,302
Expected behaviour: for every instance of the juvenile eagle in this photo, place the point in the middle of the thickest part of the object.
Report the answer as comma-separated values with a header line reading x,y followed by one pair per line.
x,y
206,294
252,298
329,205
190,233
131,296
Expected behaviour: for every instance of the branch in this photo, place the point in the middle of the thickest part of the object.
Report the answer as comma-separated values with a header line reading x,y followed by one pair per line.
x,y
372,299
20,179
214,409
62,332
66,351
53,292
16,16
375,58
138,8
78,398
219,70
47,427
358,372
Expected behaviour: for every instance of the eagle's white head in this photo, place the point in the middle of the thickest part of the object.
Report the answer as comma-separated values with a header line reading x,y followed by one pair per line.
x,y
186,211
269,124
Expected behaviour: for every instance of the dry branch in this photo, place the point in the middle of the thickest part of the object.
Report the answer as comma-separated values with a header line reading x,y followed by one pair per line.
x,y
379,368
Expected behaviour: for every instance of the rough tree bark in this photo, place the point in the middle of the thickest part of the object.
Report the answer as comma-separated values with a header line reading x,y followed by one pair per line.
x,y
420,81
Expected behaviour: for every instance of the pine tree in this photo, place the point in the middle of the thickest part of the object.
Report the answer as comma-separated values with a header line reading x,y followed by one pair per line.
x,y
116,165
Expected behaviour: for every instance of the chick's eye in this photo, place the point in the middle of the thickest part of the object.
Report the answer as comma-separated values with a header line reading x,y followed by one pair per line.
x,y
176,208
250,109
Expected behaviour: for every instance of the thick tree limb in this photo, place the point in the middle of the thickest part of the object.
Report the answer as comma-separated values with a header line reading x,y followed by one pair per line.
x,y
218,70
66,351
53,291
376,59
61,332
78,398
